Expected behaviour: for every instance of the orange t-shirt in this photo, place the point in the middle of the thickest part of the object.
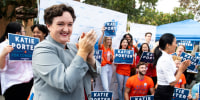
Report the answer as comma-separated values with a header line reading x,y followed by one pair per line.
x,y
139,87
151,71
135,52
181,81
123,69
104,55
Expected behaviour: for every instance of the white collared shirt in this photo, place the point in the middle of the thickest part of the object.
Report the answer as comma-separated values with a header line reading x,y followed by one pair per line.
x,y
166,69
15,72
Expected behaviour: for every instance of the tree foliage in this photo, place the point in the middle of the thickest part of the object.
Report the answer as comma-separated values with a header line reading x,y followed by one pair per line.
x,y
193,6
143,12
5,4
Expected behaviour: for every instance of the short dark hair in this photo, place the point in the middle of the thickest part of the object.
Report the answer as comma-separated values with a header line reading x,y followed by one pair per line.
x,y
139,64
57,10
41,27
12,27
148,33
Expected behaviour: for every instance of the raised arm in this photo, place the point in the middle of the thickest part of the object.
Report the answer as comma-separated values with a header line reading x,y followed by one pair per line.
x,y
181,69
101,38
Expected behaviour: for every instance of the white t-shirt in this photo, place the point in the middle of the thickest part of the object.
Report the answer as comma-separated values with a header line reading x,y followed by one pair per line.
x,y
15,72
166,69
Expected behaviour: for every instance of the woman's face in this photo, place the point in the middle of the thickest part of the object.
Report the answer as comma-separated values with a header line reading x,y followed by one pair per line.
x,y
145,48
173,46
38,34
108,41
23,32
179,50
61,28
178,63
128,38
124,44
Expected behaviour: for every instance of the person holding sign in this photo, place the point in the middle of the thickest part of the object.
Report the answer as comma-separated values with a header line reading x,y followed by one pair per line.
x,y
182,81
166,68
139,84
107,59
179,50
39,31
16,76
122,71
131,47
151,70
63,70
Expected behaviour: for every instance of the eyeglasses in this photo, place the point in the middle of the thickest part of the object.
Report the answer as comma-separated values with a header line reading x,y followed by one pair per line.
x,y
23,32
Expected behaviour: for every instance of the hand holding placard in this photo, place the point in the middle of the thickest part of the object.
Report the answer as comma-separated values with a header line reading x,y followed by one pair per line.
x,y
184,65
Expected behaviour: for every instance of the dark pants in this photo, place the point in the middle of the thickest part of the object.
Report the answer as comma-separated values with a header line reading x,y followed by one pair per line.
x,y
164,92
18,91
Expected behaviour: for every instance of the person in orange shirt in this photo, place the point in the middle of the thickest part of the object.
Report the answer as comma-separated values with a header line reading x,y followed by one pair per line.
x,y
139,84
151,70
182,81
107,59
122,71
131,47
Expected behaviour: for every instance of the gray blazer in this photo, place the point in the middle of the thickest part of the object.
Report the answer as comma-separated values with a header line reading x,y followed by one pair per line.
x,y
60,74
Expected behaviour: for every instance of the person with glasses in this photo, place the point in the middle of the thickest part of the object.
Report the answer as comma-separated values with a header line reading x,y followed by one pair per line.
x,y
16,76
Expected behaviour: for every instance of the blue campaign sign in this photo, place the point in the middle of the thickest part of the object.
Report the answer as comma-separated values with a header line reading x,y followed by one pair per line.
x,y
123,56
194,61
174,54
180,94
98,55
110,29
23,46
148,97
147,57
189,45
197,55
101,95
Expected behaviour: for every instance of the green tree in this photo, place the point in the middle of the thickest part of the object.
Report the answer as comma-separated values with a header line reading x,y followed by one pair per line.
x,y
125,6
145,13
193,6
5,5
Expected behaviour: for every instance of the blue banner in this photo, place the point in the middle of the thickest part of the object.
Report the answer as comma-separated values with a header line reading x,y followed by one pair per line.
x,y
110,29
147,57
197,55
148,97
189,45
180,94
194,61
23,46
101,95
123,56
98,55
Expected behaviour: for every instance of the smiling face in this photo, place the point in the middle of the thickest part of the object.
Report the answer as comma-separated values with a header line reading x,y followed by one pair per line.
x,y
172,47
142,70
145,48
128,38
148,38
38,34
179,50
61,28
